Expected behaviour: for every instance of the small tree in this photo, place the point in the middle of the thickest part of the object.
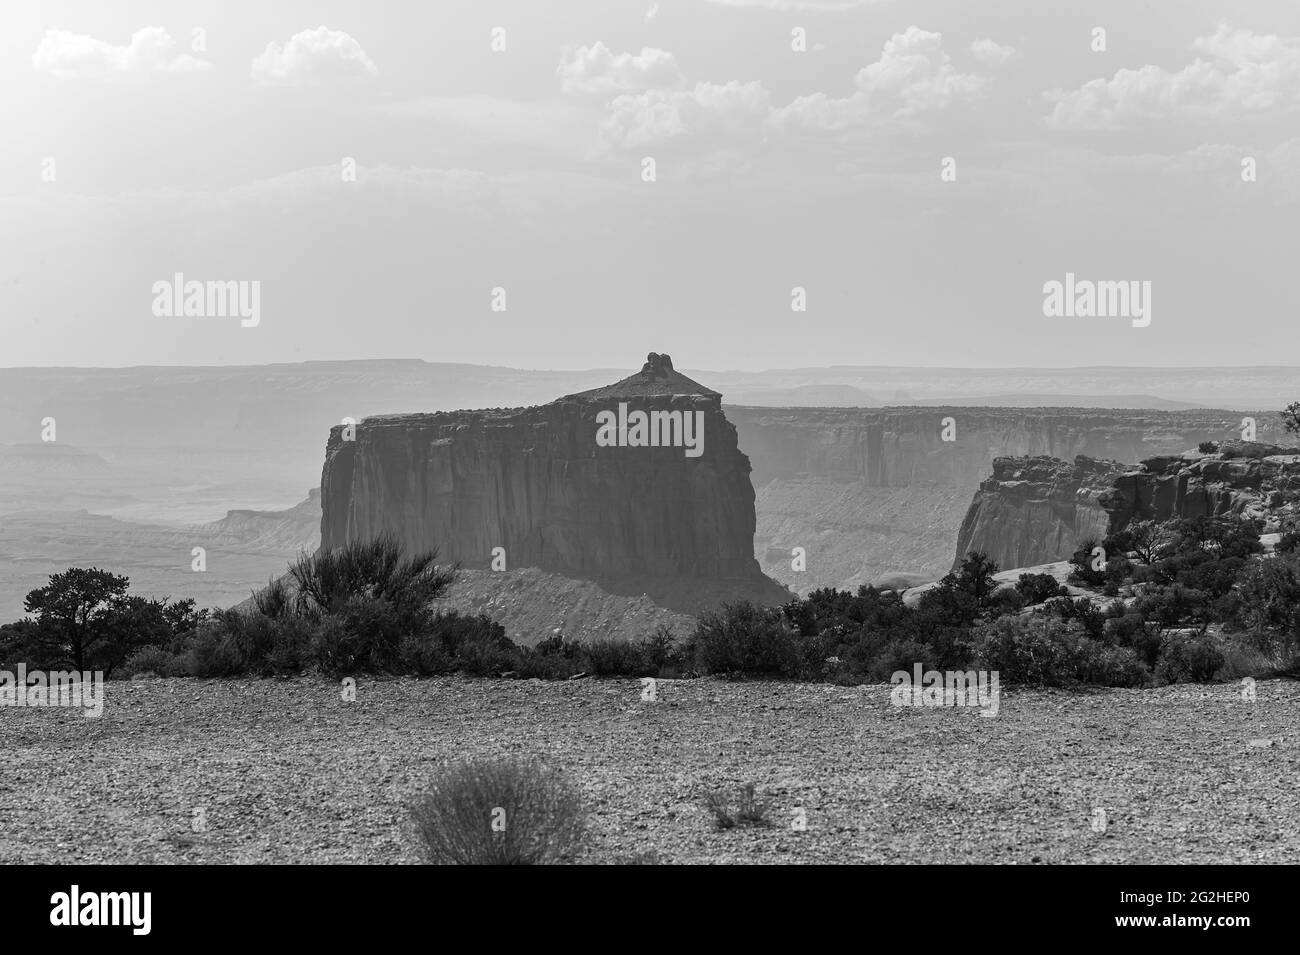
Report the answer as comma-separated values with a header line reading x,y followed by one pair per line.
x,y
975,576
1148,539
72,610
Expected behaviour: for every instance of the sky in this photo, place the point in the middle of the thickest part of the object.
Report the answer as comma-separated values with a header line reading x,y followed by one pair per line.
x,y
470,181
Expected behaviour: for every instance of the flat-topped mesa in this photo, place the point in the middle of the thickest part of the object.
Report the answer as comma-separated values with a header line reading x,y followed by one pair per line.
x,y
639,486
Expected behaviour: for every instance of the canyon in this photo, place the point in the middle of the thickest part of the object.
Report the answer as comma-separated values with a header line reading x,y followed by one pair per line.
x,y
152,462
878,495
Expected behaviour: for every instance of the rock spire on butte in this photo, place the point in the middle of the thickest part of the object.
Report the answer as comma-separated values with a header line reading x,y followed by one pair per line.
x,y
656,378
537,483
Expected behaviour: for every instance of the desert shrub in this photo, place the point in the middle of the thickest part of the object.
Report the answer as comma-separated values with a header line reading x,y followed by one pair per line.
x,y
1185,658
746,639
554,659
375,569
618,658
1082,560
663,653
1102,665
1172,604
1208,447
747,808
501,811
157,660
1270,594
1035,588
1132,631
214,653
423,656
273,600
1035,650
1089,616
364,634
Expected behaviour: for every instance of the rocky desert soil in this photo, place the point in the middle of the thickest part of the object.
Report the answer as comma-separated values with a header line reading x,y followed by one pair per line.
x,y
189,771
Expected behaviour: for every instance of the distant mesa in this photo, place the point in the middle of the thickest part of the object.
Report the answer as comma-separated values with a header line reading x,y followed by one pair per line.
x,y
534,482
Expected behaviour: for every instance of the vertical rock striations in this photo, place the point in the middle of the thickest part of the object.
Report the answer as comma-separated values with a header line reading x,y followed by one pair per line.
x,y
639,486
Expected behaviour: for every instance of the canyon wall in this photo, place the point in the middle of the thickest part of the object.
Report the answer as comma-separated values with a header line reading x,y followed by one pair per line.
x,y
1035,510
537,483
877,494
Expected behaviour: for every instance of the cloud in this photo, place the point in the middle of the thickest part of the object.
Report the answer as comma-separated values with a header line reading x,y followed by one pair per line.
x,y
990,53
1246,73
913,75
75,55
651,12
595,69
315,55
708,110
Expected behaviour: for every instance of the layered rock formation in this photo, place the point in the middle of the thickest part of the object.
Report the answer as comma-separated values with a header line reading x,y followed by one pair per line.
x,y
1034,510
870,493
580,487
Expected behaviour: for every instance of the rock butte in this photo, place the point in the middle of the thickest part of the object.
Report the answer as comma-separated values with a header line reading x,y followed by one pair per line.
x,y
534,482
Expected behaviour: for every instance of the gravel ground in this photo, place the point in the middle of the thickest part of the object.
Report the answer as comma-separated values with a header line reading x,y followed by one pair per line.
x,y
286,771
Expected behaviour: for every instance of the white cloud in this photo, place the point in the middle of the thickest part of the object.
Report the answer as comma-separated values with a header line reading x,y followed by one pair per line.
x,y
151,50
709,109
596,69
990,53
313,55
1247,73
651,12
913,75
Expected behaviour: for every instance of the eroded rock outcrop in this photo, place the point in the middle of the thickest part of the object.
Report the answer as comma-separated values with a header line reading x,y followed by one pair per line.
x,y
1034,510
869,493
584,486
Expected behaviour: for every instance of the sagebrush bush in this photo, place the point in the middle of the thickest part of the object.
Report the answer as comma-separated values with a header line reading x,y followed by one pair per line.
x,y
1184,658
1035,650
158,660
376,569
500,811
746,639
746,808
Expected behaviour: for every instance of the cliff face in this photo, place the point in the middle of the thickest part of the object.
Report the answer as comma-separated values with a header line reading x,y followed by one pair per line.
x,y
872,493
575,487
1035,510
904,447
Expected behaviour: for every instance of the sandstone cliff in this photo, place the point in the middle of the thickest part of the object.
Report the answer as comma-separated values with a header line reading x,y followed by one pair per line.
x,y
1035,510
668,520
871,493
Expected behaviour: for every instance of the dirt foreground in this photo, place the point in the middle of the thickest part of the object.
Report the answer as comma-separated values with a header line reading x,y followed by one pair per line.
x,y
190,771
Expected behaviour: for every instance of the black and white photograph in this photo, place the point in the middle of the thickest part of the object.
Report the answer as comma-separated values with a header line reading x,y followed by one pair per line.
x,y
651,432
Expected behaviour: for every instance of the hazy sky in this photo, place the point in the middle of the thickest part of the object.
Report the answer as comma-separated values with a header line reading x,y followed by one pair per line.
x,y
136,148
